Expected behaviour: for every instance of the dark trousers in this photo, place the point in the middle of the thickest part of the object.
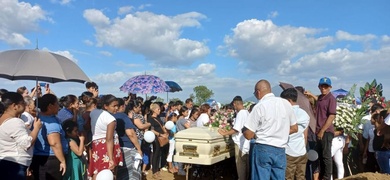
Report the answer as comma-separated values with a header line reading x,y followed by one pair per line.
x,y
46,168
372,164
12,170
323,148
159,156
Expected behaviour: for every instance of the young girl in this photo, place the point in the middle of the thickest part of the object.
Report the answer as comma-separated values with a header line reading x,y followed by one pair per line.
x,y
106,152
75,167
173,118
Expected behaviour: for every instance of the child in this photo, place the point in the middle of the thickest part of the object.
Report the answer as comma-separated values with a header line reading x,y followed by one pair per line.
x,y
173,118
75,167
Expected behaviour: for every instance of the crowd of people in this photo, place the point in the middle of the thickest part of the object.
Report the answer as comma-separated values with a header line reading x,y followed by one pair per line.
x,y
76,137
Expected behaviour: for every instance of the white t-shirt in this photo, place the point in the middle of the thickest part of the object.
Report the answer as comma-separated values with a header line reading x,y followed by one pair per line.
x,y
99,122
27,118
202,119
239,138
270,120
387,120
15,142
296,145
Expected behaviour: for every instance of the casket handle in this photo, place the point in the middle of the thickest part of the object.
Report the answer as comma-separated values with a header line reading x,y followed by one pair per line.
x,y
189,150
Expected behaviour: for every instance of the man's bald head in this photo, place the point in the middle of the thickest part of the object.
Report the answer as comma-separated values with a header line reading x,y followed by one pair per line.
x,y
263,86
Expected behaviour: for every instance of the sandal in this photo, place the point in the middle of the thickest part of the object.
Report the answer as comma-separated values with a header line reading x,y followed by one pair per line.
x,y
173,170
157,176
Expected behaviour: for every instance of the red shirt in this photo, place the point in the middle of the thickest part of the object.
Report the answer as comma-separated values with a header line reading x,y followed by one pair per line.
x,y
326,106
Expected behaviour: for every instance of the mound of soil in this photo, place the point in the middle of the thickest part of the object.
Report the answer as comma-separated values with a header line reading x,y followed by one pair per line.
x,y
368,176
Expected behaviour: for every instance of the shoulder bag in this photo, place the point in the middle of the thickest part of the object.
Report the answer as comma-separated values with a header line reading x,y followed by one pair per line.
x,y
161,139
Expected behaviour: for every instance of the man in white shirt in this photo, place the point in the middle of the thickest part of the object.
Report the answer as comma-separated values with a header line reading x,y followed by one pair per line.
x,y
241,145
296,145
270,123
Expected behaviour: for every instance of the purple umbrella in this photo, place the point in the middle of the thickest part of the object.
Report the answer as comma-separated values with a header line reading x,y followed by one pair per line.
x,y
339,93
144,84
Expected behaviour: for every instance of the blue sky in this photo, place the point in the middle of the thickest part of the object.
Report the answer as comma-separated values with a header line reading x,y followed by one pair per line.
x,y
225,45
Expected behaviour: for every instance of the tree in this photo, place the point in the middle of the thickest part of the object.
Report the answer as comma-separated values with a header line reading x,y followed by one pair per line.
x,y
159,99
202,93
174,99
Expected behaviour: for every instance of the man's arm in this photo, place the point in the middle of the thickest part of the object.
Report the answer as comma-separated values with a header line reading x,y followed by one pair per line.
x,y
223,132
294,128
308,93
327,124
248,134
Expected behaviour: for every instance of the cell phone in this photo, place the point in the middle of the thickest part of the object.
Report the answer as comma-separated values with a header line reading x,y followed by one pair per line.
x,y
47,85
42,84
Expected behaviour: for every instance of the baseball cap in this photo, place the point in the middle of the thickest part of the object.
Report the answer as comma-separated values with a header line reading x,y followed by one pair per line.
x,y
326,81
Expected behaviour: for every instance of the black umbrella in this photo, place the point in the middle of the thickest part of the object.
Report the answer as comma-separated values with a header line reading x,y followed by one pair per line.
x,y
173,87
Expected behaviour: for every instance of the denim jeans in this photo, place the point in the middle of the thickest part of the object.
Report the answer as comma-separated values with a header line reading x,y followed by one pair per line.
x,y
383,158
268,162
12,170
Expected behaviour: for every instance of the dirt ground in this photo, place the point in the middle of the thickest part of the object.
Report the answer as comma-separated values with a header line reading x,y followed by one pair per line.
x,y
361,176
368,176
224,170
169,176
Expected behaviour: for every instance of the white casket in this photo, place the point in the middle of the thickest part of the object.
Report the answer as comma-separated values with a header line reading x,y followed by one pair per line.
x,y
203,146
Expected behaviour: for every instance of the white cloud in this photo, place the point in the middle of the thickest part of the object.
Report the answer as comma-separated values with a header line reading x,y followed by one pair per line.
x,y
105,53
262,45
96,18
62,2
157,37
111,77
88,42
385,39
125,10
273,14
345,36
67,54
123,64
17,19
204,74
300,56
205,69
339,63
143,6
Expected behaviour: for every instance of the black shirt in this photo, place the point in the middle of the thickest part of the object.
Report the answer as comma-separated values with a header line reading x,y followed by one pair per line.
x,y
378,142
155,125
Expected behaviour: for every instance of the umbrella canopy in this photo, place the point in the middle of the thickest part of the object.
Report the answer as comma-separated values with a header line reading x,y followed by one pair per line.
x,y
303,103
145,84
339,93
173,86
40,66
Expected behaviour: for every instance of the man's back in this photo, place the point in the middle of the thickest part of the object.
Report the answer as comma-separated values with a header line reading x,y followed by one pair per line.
x,y
271,119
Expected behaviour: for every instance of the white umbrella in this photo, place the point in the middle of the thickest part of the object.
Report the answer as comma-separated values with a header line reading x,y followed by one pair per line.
x,y
38,65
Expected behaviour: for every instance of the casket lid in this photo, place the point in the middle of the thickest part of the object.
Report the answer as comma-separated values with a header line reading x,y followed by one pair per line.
x,y
201,133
